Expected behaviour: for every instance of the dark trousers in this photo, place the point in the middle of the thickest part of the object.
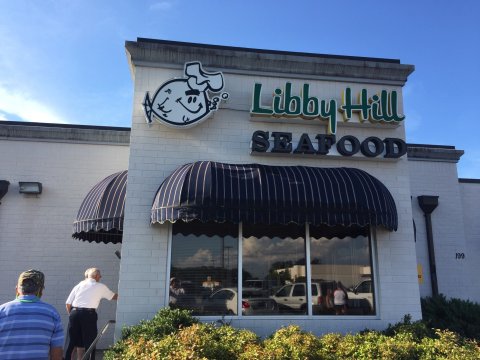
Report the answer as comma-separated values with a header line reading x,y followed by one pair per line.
x,y
82,330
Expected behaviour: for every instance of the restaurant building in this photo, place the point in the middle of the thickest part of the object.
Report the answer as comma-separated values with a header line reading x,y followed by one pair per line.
x,y
251,185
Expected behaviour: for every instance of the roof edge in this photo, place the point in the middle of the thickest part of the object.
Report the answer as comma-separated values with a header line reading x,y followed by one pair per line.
x,y
18,130
164,53
262,51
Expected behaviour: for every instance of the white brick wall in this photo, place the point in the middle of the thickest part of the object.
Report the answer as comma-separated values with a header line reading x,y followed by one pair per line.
x,y
35,231
157,150
470,195
440,179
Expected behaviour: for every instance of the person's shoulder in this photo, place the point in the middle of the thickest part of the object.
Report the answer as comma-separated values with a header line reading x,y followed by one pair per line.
x,y
48,307
52,311
79,284
99,284
8,304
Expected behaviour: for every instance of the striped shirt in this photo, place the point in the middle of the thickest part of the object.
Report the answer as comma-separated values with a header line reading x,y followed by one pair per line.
x,y
28,329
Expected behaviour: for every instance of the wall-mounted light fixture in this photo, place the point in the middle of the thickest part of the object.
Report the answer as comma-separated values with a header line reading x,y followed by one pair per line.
x,y
30,187
3,188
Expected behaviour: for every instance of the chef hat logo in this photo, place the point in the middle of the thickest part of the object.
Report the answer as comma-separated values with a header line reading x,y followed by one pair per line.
x,y
182,102
200,80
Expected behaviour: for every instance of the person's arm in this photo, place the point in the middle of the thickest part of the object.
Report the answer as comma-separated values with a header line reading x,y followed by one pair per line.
x,y
107,293
56,353
70,298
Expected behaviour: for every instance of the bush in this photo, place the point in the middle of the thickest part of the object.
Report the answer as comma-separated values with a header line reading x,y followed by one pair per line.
x,y
448,345
196,342
176,335
167,321
205,341
371,345
288,343
460,316
418,329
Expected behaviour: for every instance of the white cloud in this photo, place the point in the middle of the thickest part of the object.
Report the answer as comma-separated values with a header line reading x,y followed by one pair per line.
x,y
21,104
161,5
3,116
203,257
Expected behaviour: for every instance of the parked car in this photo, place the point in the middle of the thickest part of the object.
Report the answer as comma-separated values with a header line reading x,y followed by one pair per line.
x,y
293,297
261,287
224,302
360,298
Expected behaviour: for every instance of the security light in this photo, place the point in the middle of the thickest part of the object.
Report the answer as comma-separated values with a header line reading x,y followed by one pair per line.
x,y
30,187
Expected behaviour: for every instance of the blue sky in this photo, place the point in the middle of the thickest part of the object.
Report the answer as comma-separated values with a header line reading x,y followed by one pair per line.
x,y
64,61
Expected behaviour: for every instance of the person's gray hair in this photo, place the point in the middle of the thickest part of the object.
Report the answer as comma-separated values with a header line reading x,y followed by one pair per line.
x,y
91,273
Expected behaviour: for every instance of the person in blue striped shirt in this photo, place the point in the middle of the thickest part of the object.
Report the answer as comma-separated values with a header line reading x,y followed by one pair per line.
x,y
29,327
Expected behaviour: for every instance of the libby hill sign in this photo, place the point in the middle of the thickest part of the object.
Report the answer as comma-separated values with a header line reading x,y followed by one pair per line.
x,y
382,107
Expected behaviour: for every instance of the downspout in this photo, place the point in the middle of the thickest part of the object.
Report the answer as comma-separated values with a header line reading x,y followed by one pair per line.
x,y
3,188
428,204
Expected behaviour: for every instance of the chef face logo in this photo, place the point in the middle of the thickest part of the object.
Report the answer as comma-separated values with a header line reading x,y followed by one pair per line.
x,y
185,102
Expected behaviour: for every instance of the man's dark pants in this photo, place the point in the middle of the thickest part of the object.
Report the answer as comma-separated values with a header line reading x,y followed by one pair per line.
x,y
82,330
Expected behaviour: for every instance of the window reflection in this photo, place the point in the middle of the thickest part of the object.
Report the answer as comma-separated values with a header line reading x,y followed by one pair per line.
x,y
274,269
342,272
204,268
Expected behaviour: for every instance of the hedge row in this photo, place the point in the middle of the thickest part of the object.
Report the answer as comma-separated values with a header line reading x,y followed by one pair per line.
x,y
176,335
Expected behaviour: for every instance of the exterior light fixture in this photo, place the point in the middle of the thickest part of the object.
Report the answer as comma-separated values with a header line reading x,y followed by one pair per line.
x,y
30,187
3,188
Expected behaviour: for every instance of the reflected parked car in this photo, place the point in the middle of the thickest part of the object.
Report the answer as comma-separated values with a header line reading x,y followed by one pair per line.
x,y
224,302
293,297
360,298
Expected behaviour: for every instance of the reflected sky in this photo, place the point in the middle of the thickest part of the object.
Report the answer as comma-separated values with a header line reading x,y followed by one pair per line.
x,y
340,251
194,251
260,254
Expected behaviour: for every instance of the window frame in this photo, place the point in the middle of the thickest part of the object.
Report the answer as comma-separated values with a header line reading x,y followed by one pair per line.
x,y
373,250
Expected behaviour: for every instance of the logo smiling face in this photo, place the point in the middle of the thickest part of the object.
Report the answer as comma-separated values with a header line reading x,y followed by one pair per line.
x,y
176,104
184,102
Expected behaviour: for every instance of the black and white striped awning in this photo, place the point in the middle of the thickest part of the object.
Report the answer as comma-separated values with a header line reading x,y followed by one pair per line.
x,y
100,217
261,194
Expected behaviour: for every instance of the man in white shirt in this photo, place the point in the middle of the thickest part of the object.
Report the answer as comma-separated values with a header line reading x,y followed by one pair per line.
x,y
82,304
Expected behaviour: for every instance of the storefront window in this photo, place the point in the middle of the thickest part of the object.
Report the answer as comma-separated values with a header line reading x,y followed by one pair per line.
x,y
274,271
204,268
341,269
205,273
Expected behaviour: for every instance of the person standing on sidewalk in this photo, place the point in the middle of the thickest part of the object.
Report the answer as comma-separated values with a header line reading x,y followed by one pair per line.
x,y
82,304
29,327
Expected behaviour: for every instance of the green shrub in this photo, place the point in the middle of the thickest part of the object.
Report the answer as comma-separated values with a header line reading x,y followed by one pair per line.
x,y
176,335
369,345
288,343
199,341
418,329
448,345
165,322
460,316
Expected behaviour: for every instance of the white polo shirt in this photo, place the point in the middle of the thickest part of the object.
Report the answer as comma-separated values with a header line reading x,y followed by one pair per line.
x,y
88,293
